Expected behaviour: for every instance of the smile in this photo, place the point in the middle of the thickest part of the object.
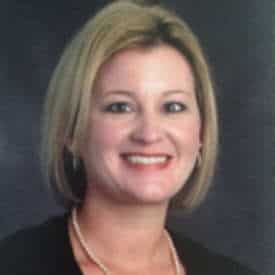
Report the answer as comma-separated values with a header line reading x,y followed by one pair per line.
x,y
152,160
146,160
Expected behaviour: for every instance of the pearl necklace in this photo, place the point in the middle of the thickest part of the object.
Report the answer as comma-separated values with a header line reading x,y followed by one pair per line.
x,y
94,258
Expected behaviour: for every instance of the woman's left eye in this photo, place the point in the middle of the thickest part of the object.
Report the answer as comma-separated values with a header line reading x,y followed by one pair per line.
x,y
174,107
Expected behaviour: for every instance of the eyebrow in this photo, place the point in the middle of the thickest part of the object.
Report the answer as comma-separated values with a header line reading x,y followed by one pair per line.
x,y
130,94
118,92
169,92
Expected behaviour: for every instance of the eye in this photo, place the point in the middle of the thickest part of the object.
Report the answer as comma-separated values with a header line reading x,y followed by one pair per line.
x,y
118,107
174,107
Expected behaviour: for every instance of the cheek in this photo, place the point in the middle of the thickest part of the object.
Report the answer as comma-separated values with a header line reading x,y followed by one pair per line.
x,y
193,133
104,134
188,134
101,142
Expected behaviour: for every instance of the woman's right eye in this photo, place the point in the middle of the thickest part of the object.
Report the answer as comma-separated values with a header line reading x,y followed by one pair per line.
x,y
118,107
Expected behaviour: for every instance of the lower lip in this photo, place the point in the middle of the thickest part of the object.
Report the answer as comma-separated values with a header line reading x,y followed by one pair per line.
x,y
147,167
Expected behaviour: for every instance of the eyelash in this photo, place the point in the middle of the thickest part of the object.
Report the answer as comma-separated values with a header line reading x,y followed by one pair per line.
x,y
180,107
124,107
118,107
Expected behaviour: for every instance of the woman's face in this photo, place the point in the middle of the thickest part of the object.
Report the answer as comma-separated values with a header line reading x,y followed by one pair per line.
x,y
143,135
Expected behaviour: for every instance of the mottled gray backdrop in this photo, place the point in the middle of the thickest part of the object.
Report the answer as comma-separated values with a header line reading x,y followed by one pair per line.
x,y
237,219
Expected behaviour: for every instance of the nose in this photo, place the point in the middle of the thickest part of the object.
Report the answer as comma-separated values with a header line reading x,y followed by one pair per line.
x,y
147,129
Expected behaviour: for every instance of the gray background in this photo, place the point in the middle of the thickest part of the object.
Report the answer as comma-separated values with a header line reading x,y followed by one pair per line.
x,y
237,219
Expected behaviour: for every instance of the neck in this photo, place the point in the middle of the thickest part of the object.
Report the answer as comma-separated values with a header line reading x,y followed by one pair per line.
x,y
132,235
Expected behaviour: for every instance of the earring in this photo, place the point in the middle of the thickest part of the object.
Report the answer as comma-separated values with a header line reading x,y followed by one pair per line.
x,y
75,161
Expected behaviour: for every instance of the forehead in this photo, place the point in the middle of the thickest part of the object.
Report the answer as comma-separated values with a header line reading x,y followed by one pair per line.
x,y
160,67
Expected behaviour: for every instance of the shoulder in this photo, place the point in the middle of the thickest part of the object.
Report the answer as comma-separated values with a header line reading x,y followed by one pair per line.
x,y
200,260
34,249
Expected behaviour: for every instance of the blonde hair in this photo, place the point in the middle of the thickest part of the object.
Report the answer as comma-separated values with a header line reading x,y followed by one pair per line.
x,y
119,25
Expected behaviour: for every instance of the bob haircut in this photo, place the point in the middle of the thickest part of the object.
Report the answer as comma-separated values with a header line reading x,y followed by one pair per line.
x,y
119,25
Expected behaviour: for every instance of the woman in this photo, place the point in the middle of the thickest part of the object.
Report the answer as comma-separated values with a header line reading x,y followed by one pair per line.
x,y
130,129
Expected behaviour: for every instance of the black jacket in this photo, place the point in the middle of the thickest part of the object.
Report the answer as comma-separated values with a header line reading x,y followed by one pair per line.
x,y
46,250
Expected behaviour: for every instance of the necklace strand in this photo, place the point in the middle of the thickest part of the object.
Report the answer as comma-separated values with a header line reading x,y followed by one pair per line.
x,y
94,258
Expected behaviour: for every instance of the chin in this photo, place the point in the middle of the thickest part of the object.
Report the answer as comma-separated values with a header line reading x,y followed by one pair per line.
x,y
150,197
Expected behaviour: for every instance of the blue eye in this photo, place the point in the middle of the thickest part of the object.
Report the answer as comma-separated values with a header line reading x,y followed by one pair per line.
x,y
118,107
174,107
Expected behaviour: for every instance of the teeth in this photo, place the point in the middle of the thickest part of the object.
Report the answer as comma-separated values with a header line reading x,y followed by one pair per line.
x,y
146,160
